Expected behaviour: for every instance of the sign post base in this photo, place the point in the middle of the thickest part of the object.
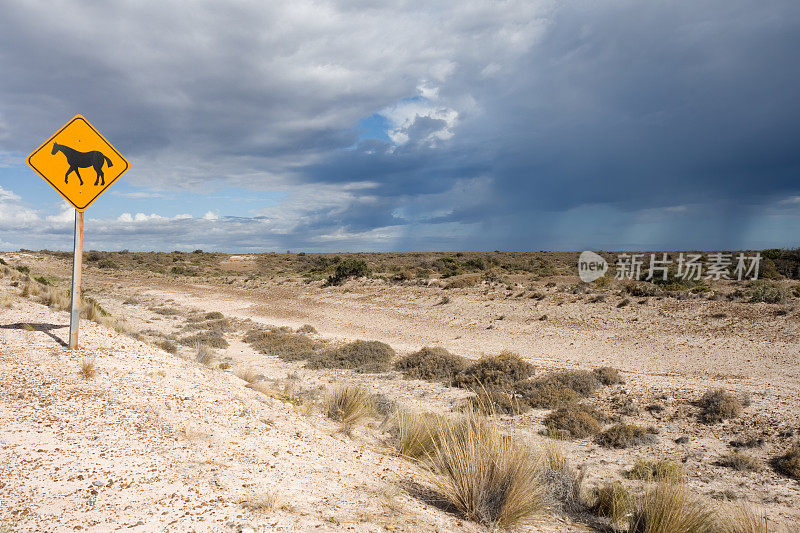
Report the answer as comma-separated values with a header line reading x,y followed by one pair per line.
x,y
77,264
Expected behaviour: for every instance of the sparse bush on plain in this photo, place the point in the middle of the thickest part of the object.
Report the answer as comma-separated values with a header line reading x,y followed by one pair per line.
x,y
765,291
347,404
214,315
213,339
562,483
543,395
286,345
204,354
495,371
497,401
661,471
789,463
168,346
718,405
88,370
362,356
463,281
349,268
307,328
433,364
668,507
262,503
573,421
627,435
608,375
739,461
490,477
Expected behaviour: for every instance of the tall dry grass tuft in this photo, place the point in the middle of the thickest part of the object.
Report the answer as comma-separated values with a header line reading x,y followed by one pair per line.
x,y
492,478
668,507
347,404
416,433
742,518
88,369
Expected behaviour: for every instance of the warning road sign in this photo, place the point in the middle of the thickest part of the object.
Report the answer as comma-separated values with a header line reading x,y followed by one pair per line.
x,y
78,162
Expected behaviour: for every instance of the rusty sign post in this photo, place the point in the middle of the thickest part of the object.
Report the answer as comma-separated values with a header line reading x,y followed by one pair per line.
x,y
78,145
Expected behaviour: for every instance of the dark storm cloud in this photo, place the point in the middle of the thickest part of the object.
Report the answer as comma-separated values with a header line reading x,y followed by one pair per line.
x,y
502,116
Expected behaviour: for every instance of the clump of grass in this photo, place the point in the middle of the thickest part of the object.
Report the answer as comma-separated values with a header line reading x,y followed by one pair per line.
x,y
248,374
214,315
670,507
204,354
213,339
607,375
718,405
166,311
433,364
741,518
627,435
88,370
362,356
739,461
495,371
612,501
307,328
543,395
789,463
662,471
573,421
262,503
283,344
492,478
416,433
497,401
347,404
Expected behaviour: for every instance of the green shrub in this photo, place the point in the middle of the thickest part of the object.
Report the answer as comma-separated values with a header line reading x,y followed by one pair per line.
x,y
718,405
433,364
363,356
573,421
765,291
349,268
627,435
495,371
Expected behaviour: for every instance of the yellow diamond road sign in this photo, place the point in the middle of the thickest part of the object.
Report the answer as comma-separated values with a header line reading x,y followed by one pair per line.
x,y
78,162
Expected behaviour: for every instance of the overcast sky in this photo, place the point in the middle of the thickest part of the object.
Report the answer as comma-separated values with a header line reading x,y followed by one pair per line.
x,y
410,125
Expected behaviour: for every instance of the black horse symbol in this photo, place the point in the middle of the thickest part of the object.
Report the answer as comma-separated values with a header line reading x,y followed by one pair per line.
x,y
78,160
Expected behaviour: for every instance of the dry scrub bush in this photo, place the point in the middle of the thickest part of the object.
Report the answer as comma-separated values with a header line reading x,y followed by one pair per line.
x,y
667,507
263,503
347,404
87,369
495,371
285,345
718,405
562,483
741,518
362,356
573,421
789,463
213,339
608,376
214,315
612,501
307,328
248,374
660,471
627,435
168,346
204,354
433,364
463,281
492,478
497,401
541,395
739,461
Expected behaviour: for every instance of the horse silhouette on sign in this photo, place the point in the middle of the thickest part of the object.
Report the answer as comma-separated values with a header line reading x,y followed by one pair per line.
x,y
78,160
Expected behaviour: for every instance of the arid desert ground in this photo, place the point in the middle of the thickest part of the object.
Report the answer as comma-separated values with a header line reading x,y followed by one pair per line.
x,y
197,400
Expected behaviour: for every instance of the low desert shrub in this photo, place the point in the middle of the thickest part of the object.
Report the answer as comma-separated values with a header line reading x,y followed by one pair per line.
x,y
363,356
667,507
607,375
212,339
492,478
348,268
433,364
497,401
347,404
495,371
765,291
204,354
262,503
612,501
88,370
307,328
285,345
573,421
214,315
789,463
543,395
463,281
562,483
662,471
718,405
739,461
627,435
168,346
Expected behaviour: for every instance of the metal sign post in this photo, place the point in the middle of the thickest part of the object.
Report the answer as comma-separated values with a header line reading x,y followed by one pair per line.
x,y
77,264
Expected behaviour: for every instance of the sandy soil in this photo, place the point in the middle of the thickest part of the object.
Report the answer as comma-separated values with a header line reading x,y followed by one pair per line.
x,y
175,430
